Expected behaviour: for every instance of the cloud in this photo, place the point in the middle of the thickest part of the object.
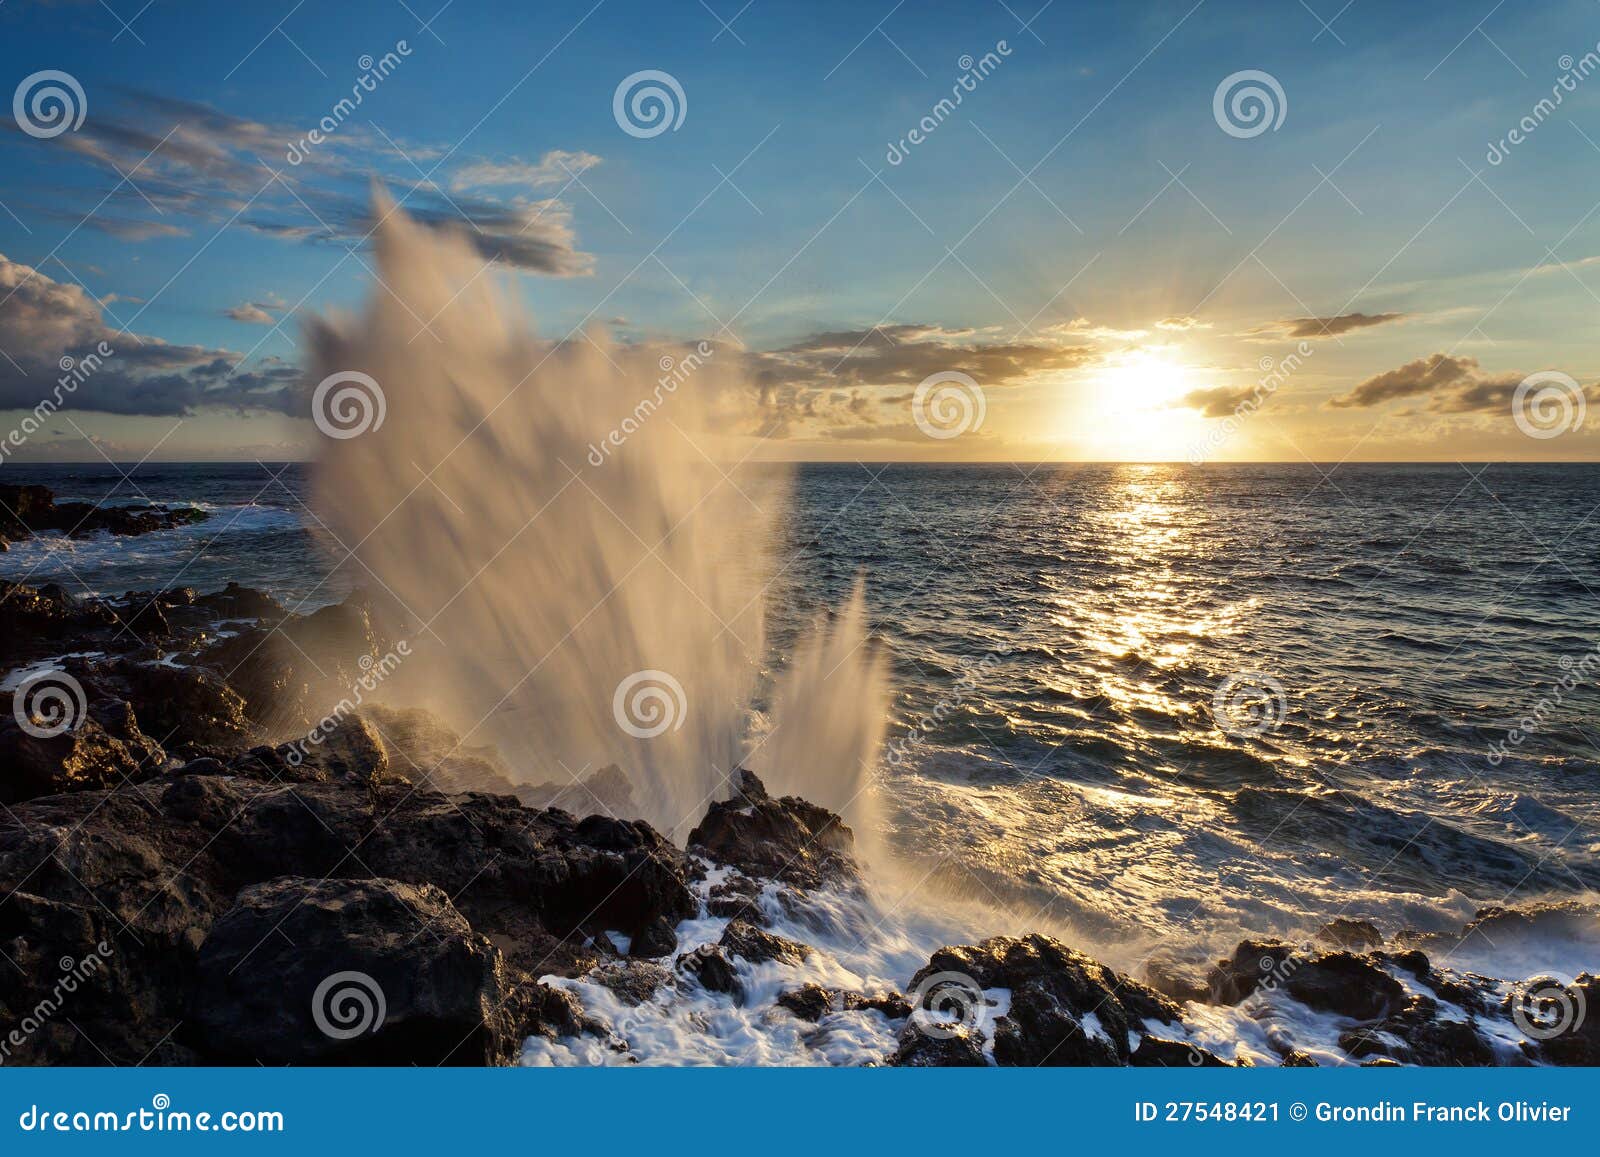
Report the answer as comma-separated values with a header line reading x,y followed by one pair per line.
x,y
190,167
557,167
1422,376
1216,402
1182,323
43,321
1317,327
1451,385
253,312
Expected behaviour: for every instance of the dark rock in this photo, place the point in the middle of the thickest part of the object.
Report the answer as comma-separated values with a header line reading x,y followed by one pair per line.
x,y
1343,983
891,1004
101,745
811,1002
349,750
1299,1060
305,971
781,839
189,710
655,939
1354,934
1159,1052
917,1049
243,603
741,938
1181,980
1425,1039
635,981
1054,994
1567,1017
1253,963
29,510
710,965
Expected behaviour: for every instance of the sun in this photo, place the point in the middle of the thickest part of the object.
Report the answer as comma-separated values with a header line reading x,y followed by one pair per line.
x,y
1128,408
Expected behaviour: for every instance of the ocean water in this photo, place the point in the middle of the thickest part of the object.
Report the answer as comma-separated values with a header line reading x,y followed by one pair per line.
x,y
1059,756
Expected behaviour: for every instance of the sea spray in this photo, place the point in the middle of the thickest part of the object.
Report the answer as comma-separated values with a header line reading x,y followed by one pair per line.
x,y
574,615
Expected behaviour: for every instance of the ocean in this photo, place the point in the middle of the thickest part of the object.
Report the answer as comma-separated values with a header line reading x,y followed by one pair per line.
x,y
1137,705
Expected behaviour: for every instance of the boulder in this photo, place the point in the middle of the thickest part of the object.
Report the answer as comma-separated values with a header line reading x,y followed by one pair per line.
x,y
303,971
1065,1008
784,839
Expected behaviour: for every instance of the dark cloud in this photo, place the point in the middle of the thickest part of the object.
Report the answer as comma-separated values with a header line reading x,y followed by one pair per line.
x,y
43,321
1423,376
1450,385
1218,401
1315,327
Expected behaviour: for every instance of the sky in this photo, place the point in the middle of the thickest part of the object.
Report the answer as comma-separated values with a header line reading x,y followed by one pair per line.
x,y
1202,231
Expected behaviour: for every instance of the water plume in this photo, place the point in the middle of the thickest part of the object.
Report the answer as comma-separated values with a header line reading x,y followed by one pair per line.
x,y
585,579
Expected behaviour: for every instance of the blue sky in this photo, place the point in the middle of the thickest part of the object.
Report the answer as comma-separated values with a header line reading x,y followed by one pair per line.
x,y
1373,200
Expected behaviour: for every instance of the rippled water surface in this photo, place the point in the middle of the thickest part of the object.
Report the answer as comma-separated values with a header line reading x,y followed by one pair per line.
x,y
1059,635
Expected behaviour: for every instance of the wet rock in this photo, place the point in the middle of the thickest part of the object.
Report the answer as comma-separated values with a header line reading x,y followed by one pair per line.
x,y
1354,934
1343,983
1181,980
741,938
1066,1009
38,622
1567,1017
1253,963
784,839
243,603
1159,1052
1299,1060
29,510
634,981
710,965
810,1003
349,750
191,711
101,746
918,1049
305,971
891,1004
656,938
1417,1035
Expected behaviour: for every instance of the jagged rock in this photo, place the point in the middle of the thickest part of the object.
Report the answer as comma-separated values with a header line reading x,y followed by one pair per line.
x,y
1066,1009
635,981
349,750
785,839
655,939
810,1002
918,1049
1573,1009
1424,1039
1159,1052
152,866
710,965
1181,980
1299,1060
189,710
1253,963
101,747
1356,934
741,938
241,603
29,510
305,971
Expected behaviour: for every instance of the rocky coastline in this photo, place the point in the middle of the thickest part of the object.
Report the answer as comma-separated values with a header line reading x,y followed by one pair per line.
x,y
183,882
